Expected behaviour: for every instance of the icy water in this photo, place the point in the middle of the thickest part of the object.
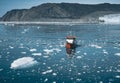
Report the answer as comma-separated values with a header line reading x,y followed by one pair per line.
x,y
97,59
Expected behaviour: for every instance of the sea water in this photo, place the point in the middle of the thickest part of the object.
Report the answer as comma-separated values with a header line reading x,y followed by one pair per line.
x,y
37,54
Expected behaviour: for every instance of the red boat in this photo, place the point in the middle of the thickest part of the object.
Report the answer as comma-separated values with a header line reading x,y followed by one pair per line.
x,y
70,44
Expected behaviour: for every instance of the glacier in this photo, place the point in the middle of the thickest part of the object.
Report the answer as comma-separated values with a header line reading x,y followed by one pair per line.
x,y
111,18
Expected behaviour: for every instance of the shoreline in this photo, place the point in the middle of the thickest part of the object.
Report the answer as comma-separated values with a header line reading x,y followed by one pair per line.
x,y
43,23
12,23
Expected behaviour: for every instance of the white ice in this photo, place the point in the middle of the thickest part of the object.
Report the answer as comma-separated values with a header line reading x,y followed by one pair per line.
x,y
1,69
79,57
36,54
46,56
46,80
117,76
11,47
105,52
54,74
23,52
95,46
48,71
33,50
117,54
48,51
23,62
111,18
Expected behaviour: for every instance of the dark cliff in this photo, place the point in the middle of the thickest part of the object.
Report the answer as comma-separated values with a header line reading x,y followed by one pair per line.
x,y
61,11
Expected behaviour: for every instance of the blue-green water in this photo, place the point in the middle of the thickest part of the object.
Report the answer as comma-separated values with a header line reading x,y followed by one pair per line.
x,y
97,59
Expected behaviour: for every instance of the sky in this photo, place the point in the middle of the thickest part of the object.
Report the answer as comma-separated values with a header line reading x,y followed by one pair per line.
x,y
7,5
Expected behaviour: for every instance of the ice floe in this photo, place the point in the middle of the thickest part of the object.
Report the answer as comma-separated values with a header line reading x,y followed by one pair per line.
x,y
117,76
79,57
117,54
48,51
23,62
54,74
23,52
36,54
46,80
54,81
11,47
1,69
33,50
118,70
95,46
78,79
46,56
25,30
48,71
105,52
101,82
21,46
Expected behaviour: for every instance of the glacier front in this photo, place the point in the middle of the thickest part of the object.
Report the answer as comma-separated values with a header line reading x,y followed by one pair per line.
x,y
111,18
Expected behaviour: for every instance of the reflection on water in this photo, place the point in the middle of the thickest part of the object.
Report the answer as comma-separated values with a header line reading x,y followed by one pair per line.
x,y
95,60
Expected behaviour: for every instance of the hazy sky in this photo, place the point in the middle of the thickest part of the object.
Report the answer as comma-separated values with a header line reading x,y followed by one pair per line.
x,y
7,5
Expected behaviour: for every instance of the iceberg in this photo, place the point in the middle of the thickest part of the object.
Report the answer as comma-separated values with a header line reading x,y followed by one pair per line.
x,y
111,18
23,62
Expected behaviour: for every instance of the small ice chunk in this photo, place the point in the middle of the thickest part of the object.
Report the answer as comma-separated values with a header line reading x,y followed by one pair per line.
x,y
48,51
0,41
11,47
78,79
23,62
21,46
117,54
101,82
79,73
1,69
45,56
118,70
36,54
54,74
48,71
105,52
78,52
33,50
95,46
38,27
8,52
46,80
79,57
57,49
23,52
62,45
117,76
44,63
54,82
85,53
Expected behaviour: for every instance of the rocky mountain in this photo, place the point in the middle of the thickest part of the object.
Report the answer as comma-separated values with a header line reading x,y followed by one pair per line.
x,y
62,11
